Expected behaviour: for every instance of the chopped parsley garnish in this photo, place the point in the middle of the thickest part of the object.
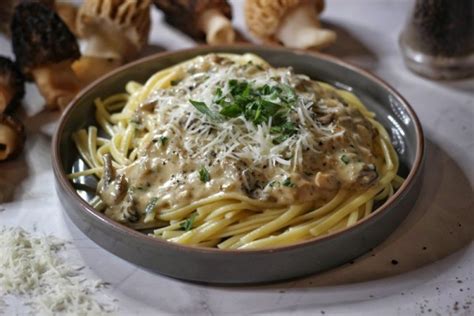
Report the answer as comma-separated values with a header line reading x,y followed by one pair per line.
x,y
163,140
288,183
345,159
274,184
150,207
285,131
187,225
202,107
256,104
204,175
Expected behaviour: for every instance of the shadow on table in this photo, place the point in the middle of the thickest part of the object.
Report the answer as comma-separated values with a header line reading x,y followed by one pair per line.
x,y
440,224
349,48
462,85
151,49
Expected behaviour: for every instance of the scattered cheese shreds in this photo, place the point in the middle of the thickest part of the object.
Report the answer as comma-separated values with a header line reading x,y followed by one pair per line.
x,y
32,268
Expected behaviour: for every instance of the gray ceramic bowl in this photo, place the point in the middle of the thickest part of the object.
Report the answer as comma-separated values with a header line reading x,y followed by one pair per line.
x,y
225,266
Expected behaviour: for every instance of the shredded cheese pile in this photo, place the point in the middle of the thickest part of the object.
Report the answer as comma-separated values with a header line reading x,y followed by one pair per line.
x,y
31,267
236,138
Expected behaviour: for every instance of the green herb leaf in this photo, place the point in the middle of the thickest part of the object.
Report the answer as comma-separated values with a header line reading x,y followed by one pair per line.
x,y
280,139
288,183
150,207
163,140
288,94
204,175
202,107
218,92
187,225
175,82
345,159
232,110
286,130
257,104
274,184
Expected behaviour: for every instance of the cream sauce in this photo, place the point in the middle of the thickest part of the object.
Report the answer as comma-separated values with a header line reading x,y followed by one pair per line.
x,y
333,147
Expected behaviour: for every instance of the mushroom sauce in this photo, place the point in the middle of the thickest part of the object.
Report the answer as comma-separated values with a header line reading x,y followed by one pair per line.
x,y
226,127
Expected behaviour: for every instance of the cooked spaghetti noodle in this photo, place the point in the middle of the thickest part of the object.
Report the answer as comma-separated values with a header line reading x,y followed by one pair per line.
x,y
226,151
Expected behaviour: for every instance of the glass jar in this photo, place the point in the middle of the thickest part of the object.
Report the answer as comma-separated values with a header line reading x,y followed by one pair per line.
x,y
438,39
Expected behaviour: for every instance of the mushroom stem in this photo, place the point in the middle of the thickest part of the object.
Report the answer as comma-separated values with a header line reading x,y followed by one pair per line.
x,y
11,137
102,44
68,13
57,83
217,27
5,98
88,69
8,139
301,28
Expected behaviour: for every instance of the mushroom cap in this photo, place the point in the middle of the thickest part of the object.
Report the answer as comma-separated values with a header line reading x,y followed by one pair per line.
x,y
7,8
40,37
11,80
127,20
12,137
68,13
184,14
264,16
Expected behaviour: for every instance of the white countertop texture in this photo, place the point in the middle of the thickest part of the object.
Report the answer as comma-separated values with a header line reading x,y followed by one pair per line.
x,y
433,246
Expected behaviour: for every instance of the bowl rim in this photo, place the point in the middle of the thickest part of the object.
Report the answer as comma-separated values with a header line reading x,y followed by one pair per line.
x,y
65,183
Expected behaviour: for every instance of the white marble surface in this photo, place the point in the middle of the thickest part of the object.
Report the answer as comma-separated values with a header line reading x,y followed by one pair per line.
x,y
436,280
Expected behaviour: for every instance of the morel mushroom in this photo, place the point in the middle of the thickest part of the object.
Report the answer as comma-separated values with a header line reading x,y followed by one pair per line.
x,y
45,49
12,85
68,13
294,23
209,19
12,137
112,32
7,7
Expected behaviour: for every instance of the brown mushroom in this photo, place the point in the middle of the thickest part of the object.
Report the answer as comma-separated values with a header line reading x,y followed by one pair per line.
x,y
112,32
294,23
45,49
12,85
200,19
326,180
68,13
7,7
12,137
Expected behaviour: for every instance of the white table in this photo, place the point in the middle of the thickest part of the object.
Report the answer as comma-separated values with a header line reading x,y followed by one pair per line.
x,y
433,247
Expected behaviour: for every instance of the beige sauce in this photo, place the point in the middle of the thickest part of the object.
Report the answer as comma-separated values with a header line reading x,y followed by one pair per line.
x,y
332,149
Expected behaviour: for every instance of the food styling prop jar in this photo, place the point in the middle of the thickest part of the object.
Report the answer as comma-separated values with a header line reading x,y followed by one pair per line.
x,y
438,39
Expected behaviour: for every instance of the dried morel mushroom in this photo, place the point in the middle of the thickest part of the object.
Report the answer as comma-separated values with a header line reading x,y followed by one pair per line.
x,y
112,32
114,29
68,13
12,137
45,49
294,23
12,85
201,19
7,7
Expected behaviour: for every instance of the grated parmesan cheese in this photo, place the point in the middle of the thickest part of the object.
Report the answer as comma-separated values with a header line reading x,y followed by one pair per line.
x,y
31,268
235,138
259,131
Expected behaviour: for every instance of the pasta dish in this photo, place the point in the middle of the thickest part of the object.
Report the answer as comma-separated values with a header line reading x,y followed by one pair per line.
x,y
226,151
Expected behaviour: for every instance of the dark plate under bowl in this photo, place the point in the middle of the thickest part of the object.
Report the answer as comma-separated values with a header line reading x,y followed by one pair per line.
x,y
251,266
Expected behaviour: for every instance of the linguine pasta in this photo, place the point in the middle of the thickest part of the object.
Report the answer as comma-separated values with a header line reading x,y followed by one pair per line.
x,y
226,151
